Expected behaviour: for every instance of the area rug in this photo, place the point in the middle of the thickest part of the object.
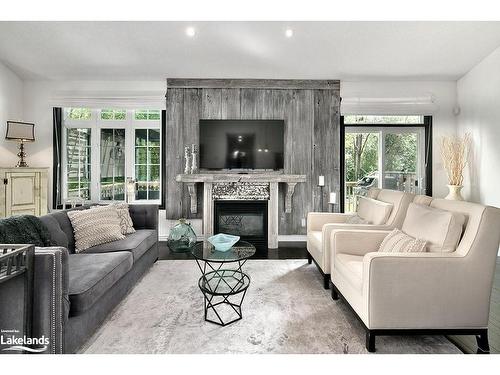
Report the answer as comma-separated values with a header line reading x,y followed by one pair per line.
x,y
286,310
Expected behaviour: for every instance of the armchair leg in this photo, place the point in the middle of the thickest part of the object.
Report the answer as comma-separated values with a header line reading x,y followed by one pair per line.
x,y
326,281
335,294
370,341
483,347
309,258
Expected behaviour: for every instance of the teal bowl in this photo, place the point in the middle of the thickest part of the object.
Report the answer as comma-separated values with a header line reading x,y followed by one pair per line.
x,y
223,242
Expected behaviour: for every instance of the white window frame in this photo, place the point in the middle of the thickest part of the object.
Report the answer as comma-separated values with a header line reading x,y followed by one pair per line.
x,y
96,124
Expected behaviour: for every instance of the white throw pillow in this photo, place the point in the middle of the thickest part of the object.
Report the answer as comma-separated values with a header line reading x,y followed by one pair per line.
x,y
441,229
95,226
399,242
373,211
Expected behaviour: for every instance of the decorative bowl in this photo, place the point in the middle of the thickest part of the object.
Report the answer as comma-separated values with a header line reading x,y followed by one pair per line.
x,y
222,241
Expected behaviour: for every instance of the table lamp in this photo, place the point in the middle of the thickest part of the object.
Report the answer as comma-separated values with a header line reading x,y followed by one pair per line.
x,y
20,132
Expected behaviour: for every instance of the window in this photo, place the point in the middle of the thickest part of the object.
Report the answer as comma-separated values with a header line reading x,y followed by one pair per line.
x,y
370,119
113,114
106,148
147,164
112,164
78,163
78,113
147,114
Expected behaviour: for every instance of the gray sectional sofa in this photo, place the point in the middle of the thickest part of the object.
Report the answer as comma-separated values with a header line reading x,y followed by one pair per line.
x,y
74,293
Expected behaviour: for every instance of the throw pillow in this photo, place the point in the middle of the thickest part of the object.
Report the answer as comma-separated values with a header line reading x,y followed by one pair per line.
x,y
374,211
355,219
399,242
95,226
441,229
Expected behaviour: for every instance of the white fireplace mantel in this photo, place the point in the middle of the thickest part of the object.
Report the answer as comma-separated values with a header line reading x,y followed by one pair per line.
x,y
273,179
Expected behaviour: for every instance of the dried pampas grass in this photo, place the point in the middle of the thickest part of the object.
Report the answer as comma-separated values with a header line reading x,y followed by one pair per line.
x,y
455,154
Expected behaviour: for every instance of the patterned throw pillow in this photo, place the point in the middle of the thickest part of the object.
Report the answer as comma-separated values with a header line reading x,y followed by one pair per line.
x,y
125,220
399,242
95,226
355,219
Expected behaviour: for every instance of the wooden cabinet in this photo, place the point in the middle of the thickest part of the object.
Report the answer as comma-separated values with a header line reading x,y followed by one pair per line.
x,y
23,191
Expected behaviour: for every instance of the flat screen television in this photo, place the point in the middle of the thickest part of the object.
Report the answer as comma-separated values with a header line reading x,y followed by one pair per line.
x,y
241,144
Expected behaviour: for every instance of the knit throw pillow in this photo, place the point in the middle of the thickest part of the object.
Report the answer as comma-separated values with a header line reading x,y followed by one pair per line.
x,y
95,226
399,242
125,220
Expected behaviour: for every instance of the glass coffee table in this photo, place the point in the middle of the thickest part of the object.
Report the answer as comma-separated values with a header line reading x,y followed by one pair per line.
x,y
222,281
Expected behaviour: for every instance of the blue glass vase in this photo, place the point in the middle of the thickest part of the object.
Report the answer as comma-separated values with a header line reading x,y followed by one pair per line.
x,y
181,237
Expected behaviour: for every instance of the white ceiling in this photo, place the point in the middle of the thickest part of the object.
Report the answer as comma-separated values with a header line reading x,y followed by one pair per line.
x,y
317,50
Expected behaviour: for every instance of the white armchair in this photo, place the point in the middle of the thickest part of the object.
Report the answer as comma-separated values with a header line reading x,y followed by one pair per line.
x,y
320,226
420,293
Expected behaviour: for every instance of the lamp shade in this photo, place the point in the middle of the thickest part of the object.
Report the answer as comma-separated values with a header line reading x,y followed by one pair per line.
x,y
20,131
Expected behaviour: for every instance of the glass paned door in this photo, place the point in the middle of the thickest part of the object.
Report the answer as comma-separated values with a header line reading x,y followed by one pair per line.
x,y
78,160
147,164
403,160
361,165
383,157
112,182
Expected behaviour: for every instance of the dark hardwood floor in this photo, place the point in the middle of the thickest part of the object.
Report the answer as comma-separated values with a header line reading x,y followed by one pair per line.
x,y
286,250
290,250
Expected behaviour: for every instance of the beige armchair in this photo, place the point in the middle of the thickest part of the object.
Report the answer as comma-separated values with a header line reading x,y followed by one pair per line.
x,y
420,293
321,224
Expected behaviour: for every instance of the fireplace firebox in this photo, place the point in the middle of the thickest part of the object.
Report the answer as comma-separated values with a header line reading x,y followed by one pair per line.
x,y
244,218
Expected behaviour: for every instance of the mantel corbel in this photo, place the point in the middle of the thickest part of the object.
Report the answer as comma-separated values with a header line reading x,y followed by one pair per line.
x,y
290,188
193,196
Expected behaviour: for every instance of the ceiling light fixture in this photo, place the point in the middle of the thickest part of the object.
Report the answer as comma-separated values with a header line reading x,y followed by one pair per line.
x,y
190,31
289,33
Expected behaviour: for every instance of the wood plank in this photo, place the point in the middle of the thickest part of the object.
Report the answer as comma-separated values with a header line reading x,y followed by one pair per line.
x,y
190,129
248,105
230,109
175,142
211,104
326,143
289,84
299,114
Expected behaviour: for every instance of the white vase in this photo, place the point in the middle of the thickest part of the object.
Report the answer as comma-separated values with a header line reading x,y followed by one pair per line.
x,y
455,193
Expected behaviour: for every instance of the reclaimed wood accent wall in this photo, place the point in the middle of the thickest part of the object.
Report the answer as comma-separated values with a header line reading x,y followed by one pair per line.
x,y
311,110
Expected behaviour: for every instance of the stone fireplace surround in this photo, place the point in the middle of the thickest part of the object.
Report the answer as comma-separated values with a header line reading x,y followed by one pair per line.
x,y
233,186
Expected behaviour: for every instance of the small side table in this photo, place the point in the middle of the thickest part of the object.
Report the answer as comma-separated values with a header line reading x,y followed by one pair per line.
x,y
223,286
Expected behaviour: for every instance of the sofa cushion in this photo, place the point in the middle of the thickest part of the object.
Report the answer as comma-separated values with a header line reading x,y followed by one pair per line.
x,y
138,243
65,224
374,211
441,229
91,275
351,268
57,236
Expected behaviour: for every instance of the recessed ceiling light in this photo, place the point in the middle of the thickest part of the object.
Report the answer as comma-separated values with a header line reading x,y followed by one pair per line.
x,y
190,31
289,33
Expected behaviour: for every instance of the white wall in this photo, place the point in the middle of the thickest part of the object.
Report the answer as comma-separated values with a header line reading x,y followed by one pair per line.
x,y
11,108
478,94
444,122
